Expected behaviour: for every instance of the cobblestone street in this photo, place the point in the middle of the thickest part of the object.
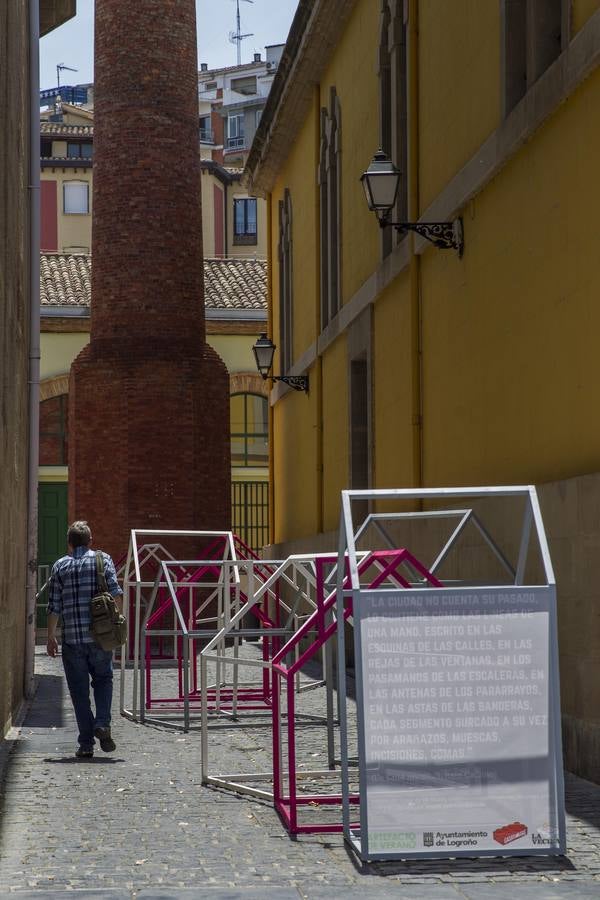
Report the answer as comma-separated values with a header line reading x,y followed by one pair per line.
x,y
139,824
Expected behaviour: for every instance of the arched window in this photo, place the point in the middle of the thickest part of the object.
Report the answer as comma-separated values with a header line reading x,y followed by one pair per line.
x,y
54,414
249,430
329,177
393,104
286,293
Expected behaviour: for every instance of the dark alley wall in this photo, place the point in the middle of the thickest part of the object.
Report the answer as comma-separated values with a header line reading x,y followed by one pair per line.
x,y
14,343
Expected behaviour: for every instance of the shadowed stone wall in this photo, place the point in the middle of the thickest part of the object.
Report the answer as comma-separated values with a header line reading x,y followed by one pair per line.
x,y
14,350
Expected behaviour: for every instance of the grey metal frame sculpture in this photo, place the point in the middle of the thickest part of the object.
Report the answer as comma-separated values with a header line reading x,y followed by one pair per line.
x,y
357,838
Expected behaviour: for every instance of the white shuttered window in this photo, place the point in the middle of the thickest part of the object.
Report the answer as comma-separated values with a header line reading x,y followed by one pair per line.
x,y
76,198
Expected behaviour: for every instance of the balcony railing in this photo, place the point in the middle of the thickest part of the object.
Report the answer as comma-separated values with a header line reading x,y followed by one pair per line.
x,y
207,136
235,142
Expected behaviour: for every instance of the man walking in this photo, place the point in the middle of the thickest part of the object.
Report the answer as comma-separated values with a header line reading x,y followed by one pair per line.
x,y
73,583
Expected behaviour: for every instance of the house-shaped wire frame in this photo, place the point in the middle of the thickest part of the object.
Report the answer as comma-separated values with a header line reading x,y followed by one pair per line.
x,y
211,598
147,550
297,578
396,797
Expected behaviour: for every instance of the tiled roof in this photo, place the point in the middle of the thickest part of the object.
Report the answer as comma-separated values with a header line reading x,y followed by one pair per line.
x,y
65,280
235,284
58,128
230,284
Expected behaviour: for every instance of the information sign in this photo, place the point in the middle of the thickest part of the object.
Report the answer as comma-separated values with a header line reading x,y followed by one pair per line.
x,y
457,707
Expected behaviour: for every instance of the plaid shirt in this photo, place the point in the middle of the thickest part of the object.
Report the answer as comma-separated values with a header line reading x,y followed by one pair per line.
x,y
73,583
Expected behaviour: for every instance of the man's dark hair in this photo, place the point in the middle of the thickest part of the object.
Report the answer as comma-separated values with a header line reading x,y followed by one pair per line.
x,y
79,534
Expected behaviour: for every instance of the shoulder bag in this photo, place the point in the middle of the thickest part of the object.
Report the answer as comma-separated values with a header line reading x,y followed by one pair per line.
x,y
108,627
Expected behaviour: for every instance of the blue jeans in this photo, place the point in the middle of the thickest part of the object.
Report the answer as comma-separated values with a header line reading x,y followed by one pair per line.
x,y
82,661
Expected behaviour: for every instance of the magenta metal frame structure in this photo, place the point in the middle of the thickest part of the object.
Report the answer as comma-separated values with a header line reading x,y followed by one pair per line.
x,y
324,623
313,635
298,575
186,582
203,598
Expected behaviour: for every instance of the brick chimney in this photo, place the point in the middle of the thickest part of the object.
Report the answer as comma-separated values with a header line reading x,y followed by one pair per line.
x,y
149,399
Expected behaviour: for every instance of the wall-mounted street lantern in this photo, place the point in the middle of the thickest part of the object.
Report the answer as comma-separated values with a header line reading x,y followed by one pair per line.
x,y
380,183
264,350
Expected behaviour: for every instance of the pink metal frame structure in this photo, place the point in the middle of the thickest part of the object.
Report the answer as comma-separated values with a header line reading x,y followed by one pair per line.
x,y
176,593
318,628
324,624
223,698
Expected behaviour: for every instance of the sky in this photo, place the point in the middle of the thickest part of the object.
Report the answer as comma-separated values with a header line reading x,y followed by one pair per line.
x,y
73,43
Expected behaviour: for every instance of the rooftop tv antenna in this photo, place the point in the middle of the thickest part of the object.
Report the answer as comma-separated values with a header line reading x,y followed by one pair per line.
x,y
62,68
236,37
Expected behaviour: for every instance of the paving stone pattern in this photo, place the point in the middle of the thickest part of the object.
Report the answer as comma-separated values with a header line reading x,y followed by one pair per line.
x,y
139,824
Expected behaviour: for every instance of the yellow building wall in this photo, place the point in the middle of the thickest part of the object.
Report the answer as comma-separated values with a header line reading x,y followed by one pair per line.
x,y
58,352
496,391
295,439
236,349
247,251
294,444
298,175
335,431
581,11
392,378
459,86
511,371
74,230
351,71
207,184
234,251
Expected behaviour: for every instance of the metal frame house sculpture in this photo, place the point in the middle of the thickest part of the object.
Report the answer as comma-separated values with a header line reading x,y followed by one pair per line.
x,y
146,553
457,694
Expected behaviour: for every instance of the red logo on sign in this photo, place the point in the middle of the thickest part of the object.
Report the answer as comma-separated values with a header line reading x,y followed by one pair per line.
x,y
509,833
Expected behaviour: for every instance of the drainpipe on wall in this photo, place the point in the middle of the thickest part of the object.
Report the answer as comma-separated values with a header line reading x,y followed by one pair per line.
x,y
34,343
226,219
415,262
269,199
319,361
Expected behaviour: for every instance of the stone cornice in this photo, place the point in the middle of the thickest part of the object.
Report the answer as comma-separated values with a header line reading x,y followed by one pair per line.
x,y
314,33
54,12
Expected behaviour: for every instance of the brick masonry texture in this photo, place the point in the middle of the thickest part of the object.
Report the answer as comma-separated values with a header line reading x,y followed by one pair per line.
x,y
138,823
148,406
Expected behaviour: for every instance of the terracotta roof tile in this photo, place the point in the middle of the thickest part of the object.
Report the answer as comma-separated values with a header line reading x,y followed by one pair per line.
x,y
65,280
230,284
58,128
235,284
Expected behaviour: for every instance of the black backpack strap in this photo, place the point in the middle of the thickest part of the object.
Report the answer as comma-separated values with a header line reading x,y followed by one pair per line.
x,y
100,572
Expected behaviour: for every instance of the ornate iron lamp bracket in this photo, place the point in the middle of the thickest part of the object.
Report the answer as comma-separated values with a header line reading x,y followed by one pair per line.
x,y
444,235
297,382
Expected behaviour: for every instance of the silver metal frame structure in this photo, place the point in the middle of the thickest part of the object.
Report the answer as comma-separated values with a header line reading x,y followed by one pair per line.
x,y
357,838
138,555
303,564
237,590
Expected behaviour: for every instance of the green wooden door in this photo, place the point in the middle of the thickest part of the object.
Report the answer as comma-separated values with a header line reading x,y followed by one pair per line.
x,y
52,536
